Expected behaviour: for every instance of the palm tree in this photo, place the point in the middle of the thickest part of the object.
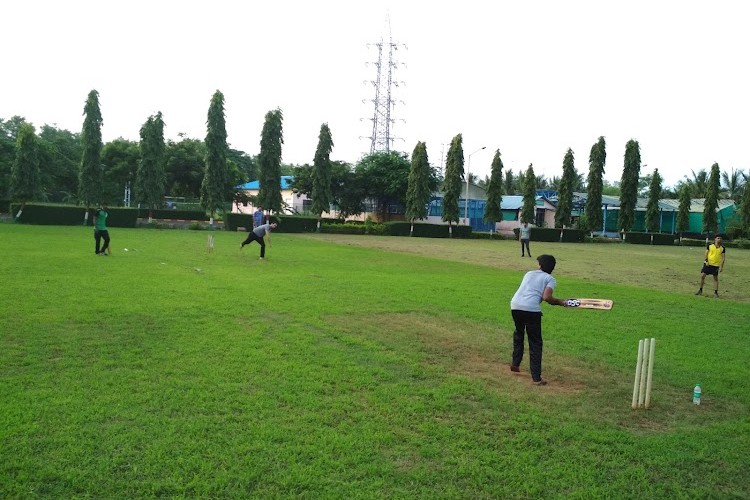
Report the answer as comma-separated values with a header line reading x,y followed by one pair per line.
x,y
698,184
732,184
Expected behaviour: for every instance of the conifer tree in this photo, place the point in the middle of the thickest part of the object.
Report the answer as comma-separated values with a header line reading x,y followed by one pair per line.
x,y
629,186
90,176
711,203
509,182
745,208
652,208
216,188
595,185
492,210
528,212
150,178
269,161
321,188
565,195
683,212
419,190
454,173
24,173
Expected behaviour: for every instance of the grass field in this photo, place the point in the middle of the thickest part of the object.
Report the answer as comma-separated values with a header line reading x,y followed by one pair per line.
x,y
361,367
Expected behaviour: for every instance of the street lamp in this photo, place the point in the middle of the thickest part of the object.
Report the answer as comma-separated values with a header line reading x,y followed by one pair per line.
x,y
466,202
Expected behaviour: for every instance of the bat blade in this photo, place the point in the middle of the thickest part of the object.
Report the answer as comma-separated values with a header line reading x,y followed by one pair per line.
x,y
601,304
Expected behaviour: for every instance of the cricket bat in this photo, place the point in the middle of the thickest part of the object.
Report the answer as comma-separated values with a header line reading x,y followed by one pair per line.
x,y
603,304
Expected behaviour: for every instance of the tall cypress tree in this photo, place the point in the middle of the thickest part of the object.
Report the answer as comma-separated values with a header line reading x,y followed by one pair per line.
x,y
528,212
508,182
629,186
652,208
216,189
683,212
24,173
90,176
269,161
419,190
150,176
565,195
711,203
492,210
321,186
595,185
745,208
454,172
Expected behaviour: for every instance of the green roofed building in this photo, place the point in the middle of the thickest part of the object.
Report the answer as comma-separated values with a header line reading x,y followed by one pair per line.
x,y
667,214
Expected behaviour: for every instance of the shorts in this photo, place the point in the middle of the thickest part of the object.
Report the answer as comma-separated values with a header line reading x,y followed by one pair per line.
x,y
712,270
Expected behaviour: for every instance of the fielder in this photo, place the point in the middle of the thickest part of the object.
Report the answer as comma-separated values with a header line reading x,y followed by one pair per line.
x,y
713,264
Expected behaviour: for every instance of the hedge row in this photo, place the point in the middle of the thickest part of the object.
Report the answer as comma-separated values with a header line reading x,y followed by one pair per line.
x,y
233,221
555,235
650,238
163,213
738,243
69,215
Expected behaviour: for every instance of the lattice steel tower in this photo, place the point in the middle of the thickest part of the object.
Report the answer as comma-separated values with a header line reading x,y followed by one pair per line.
x,y
384,102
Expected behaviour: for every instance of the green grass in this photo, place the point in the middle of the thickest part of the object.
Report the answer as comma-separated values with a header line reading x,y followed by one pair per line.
x,y
360,367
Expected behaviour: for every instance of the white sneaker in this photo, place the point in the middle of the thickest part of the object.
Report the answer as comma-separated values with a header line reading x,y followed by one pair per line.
x,y
261,258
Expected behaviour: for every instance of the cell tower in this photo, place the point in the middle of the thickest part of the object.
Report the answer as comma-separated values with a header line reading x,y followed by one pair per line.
x,y
384,102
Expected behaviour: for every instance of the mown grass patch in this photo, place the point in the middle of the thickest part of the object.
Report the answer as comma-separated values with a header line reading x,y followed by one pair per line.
x,y
337,369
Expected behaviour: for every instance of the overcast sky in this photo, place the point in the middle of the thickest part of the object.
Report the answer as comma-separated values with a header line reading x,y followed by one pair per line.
x,y
530,78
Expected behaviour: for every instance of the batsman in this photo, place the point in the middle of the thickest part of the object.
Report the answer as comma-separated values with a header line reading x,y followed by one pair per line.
x,y
525,307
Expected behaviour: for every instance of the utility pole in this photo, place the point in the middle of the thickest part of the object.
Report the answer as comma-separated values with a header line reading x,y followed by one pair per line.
x,y
383,117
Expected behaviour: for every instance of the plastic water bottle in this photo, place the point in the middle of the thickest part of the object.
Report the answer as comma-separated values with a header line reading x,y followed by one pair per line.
x,y
697,394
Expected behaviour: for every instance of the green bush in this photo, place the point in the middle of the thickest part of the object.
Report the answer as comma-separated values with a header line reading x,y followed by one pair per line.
x,y
638,238
485,235
573,236
424,230
71,215
342,228
173,214
197,226
542,234
295,224
601,239
738,243
691,242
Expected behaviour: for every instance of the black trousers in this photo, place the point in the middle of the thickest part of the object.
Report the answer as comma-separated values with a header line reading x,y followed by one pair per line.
x,y
531,323
254,237
98,236
525,245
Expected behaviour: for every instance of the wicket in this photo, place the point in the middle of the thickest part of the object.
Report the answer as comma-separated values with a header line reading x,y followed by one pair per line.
x,y
643,369
210,244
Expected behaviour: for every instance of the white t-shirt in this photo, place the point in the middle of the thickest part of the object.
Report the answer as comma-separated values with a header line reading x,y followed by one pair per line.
x,y
529,295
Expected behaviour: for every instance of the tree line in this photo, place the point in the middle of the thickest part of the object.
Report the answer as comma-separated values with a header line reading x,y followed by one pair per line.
x,y
60,166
